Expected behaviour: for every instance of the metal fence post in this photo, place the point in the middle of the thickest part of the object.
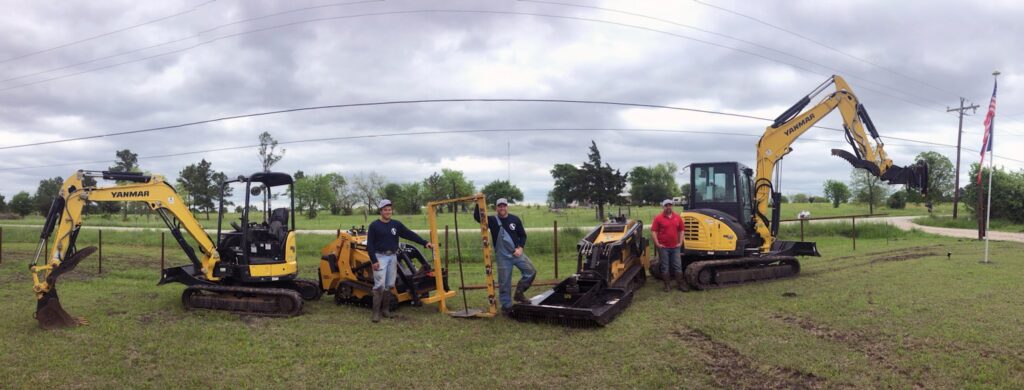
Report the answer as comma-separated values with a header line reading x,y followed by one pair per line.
x,y
1,244
446,246
555,243
854,232
101,252
802,229
161,253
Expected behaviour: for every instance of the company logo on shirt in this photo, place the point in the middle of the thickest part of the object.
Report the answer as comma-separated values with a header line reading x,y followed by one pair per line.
x,y
394,232
512,226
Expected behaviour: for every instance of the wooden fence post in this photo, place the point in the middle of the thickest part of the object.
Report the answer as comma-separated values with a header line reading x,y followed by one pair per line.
x,y
1,244
162,253
101,252
556,248
802,229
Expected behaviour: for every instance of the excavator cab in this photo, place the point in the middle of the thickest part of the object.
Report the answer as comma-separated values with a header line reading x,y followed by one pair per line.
x,y
258,248
725,187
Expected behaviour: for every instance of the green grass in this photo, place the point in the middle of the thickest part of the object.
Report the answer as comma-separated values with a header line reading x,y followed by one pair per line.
x,y
531,216
896,313
968,222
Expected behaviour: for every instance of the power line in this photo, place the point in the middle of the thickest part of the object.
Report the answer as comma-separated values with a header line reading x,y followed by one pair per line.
x,y
443,11
120,30
419,101
171,42
822,44
755,44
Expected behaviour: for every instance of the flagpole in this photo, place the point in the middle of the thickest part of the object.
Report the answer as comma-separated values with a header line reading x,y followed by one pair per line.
x,y
991,172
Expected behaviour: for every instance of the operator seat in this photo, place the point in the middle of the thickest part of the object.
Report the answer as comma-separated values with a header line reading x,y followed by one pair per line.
x,y
278,226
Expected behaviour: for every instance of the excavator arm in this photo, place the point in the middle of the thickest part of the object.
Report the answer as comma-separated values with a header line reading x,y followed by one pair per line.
x,y
868,150
65,219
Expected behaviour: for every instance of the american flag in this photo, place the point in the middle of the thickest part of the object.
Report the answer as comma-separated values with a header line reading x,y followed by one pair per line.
x,y
986,143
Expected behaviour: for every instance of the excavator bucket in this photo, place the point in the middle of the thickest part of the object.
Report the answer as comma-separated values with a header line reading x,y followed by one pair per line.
x,y
914,176
49,312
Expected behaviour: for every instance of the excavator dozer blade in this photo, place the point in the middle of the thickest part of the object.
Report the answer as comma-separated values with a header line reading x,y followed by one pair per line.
x,y
914,176
49,312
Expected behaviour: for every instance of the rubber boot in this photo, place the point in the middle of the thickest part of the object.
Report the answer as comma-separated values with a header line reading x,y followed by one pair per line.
x,y
665,277
376,305
681,281
385,304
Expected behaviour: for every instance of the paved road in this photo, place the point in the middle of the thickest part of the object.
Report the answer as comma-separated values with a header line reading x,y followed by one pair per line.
x,y
905,223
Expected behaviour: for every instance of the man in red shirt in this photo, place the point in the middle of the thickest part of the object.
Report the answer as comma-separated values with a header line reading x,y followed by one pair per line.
x,y
667,232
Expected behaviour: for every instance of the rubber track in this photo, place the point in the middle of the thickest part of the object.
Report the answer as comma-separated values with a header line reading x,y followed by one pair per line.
x,y
694,269
271,302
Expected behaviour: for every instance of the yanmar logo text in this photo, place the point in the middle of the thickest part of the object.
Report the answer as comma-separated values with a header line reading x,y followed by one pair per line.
x,y
800,124
129,194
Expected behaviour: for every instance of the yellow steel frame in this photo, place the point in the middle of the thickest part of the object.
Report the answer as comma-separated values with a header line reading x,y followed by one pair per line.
x,y
442,296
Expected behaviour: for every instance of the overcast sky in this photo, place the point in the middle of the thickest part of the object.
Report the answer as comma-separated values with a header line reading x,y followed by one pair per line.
x,y
81,68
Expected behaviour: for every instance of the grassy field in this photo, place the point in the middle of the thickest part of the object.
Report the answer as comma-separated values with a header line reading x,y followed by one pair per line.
x,y
968,222
897,313
532,216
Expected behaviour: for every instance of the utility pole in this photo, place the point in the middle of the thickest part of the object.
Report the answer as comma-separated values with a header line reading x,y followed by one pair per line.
x,y
959,136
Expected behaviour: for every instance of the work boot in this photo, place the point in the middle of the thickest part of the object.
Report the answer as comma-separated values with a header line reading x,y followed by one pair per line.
x,y
385,304
681,280
376,305
521,298
665,277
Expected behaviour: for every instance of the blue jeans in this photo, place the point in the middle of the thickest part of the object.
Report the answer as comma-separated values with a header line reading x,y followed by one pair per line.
x,y
384,278
505,264
668,256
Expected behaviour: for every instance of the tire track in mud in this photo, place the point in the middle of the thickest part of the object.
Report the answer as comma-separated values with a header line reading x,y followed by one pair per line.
x,y
904,254
731,369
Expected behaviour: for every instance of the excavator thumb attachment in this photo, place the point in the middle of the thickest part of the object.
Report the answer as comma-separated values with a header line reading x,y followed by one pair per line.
x,y
49,312
914,176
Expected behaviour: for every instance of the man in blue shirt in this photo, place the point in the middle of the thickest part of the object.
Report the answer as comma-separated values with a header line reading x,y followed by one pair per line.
x,y
509,238
382,246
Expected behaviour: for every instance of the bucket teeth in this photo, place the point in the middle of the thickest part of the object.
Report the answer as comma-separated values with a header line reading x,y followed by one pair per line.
x,y
49,312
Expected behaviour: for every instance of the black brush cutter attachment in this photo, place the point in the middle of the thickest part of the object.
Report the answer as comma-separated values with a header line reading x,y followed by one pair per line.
x,y
49,312
914,176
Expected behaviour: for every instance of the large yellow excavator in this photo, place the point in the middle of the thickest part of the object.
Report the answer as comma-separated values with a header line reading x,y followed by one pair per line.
x,y
730,238
250,269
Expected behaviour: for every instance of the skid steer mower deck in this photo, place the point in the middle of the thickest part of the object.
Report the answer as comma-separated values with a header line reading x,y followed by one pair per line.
x,y
611,265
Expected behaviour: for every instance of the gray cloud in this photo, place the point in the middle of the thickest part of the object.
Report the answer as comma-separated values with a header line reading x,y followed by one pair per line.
x,y
424,55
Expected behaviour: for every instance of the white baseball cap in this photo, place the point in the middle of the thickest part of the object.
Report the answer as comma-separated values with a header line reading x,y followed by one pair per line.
x,y
666,202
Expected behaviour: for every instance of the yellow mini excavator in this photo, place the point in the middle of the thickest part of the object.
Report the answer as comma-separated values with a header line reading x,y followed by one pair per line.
x,y
345,272
730,238
611,264
251,269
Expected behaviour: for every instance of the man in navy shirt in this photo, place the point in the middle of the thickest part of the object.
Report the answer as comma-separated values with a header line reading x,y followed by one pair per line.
x,y
382,246
509,238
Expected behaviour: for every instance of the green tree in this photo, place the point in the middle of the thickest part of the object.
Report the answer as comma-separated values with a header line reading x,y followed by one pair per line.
x,y
867,188
940,179
21,204
567,178
368,187
502,189
45,193
898,200
799,198
125,161
406,198
3,204
266,151
837,192
344,196
596,182
313,192
1007,192
196,180
455,185
651,185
